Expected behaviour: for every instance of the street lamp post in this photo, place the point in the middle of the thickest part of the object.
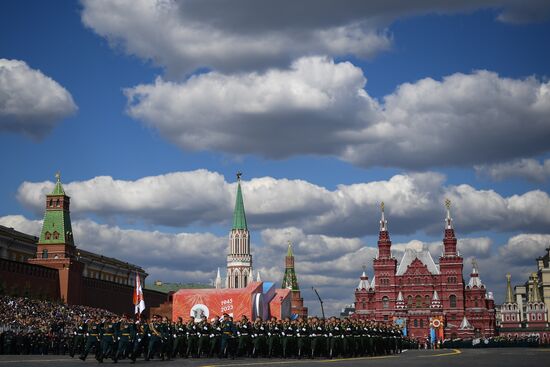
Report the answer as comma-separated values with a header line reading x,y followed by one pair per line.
x,y
320,301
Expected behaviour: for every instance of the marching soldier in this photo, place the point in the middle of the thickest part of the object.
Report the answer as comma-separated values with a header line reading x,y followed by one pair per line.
x,y
273,335
179,346
166,333
155,338
107,339
79,336
243,332
335,337
93,335
302,334
315,337
228,337
192,338
348,343
125,336
215,336
203,334
140,339
258,338
288,337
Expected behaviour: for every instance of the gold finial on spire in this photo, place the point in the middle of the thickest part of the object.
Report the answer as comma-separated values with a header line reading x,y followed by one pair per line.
x,y
382,206
239,174
448,204
58,176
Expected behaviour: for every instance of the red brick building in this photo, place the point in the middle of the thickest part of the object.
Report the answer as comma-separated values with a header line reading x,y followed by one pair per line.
x,y
418,294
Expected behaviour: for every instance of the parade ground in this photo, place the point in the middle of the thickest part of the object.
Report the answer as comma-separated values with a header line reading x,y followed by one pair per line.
x,y
500,357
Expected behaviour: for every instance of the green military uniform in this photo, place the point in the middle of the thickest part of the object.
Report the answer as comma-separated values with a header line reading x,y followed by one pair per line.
x,y
244,329
155,341
179,345
288,338
273,337
125,336
140,339
215,338
334,339
79,338
203,333
166,337
228,337
348,343
316,336
107,340
93,336
259,332
192,338
302,339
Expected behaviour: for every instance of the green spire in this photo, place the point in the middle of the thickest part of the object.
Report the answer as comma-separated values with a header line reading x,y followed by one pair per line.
x,y
57,219
289,251
58,189
239,217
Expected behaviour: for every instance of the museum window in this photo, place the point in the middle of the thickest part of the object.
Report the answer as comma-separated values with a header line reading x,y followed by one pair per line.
x,y
44,254
385,302
427,301
421,323
410,301
236,281
245,281
415,323
418,300
452,300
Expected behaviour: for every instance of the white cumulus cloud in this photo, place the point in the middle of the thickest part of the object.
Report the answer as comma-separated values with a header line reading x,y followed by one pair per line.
x,y
413,203
31,102
318,106
530,169
248,34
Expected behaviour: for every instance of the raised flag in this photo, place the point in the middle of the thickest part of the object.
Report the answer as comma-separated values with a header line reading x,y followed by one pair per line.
x,y
139,303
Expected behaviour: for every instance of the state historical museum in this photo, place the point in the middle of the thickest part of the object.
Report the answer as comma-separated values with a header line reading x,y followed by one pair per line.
x,y
420,295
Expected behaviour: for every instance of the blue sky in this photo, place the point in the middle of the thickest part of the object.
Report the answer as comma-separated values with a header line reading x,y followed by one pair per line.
x,y
104,133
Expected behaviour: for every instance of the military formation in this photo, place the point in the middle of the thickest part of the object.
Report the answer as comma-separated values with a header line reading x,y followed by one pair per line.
x,y
121,338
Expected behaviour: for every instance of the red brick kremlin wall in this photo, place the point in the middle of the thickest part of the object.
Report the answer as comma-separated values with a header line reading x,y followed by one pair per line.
x,y
36,281
28,280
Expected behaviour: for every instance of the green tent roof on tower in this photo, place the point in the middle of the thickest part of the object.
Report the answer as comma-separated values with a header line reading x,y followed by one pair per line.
x,y
56,227
58,189
239,217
